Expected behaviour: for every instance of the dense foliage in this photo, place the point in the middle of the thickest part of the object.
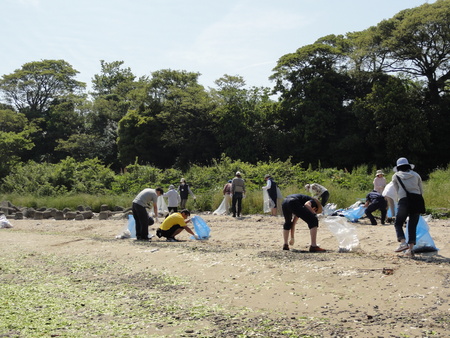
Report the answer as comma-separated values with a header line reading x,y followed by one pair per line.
x,y
364,98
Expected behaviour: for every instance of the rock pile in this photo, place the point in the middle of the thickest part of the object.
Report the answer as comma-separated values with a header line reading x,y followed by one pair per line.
x,y
81,213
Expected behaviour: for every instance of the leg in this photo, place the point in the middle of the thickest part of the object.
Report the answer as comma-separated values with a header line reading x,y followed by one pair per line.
x,y
402,213
183,204
233,205
239,205
141,220
313,235
371,208
412,229
383,210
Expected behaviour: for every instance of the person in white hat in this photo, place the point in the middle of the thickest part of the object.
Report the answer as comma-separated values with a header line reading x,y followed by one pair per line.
x,y
237,193
184,190
406,181
379,182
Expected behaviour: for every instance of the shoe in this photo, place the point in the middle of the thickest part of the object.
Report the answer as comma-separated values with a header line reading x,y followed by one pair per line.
x,y
234,215
373,223
409,253
402,247
158,233
170,239
143,240
286,247
316,249
292,241
150,236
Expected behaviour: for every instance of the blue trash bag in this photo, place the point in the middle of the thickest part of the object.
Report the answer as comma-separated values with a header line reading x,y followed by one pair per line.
x,y
132,226
201,228
424,242
355,213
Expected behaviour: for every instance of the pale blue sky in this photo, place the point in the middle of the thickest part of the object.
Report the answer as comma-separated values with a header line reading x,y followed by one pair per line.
x,y
235,37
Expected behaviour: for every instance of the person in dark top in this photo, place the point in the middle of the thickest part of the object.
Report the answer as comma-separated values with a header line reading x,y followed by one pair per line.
x,y
184,190
305,207
375,201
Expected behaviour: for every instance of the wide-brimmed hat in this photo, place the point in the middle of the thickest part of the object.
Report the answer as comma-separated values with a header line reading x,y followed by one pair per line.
x,y
238,173
266,176
319,206
380,172
182,180
403,161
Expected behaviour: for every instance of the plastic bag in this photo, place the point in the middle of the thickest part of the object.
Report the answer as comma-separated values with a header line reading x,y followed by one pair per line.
x,y
4,223
354,212
201,228
131,226
344,232
224,207
268,203
329,209
163,210
424,242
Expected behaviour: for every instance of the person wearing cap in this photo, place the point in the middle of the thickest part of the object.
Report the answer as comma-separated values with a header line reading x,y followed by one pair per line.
x,y
271,188
379,182
224,207
305,207
375,201
390,194
319,192
142,219
412,183
174,224
173,199
184,190
237,193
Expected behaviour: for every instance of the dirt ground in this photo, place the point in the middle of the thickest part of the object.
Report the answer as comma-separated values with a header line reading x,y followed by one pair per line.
x,y
370,292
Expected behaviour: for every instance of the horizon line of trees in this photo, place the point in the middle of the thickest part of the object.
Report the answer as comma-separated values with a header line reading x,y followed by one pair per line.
x,y
366,97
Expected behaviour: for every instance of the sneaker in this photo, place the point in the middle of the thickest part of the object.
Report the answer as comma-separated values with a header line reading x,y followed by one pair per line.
x,y
170,239
402,247
292,241
285,247
409,253
316,249
158,233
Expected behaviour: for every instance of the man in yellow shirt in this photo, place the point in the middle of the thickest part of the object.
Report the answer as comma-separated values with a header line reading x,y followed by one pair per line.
x,y
174,224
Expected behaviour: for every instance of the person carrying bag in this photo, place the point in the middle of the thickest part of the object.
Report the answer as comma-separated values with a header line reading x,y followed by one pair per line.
x,y
408,185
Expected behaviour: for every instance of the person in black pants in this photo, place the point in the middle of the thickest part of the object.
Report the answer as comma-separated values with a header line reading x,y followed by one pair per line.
x,y
375,201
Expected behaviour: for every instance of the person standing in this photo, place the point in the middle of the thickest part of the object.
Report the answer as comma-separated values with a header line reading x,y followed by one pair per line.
x,y
305,207
375,201
379,182
184,190
173,199
139,208
237,193
406,181
271,187
318,191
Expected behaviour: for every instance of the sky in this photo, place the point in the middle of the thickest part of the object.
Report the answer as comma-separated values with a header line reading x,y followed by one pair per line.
x,y
210,37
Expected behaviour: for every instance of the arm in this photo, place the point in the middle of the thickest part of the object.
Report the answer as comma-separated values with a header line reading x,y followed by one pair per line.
x,y
269,184
189,230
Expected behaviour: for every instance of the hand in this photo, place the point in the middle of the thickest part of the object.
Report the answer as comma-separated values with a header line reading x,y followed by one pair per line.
x,y
156,220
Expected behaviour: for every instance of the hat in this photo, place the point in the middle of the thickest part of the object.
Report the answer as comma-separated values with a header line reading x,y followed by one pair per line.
x,y
229,181
266,176
380,172
318,204
403,161
171,186
238,173
182,180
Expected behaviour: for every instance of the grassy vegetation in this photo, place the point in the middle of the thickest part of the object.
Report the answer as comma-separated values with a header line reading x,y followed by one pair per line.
x,y
35,185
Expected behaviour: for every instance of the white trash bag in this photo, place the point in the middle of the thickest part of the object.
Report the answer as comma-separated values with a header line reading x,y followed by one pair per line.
x,y
344,232
4,223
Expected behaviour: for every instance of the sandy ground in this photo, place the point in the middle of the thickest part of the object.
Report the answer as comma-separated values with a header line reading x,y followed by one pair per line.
x,y
369,292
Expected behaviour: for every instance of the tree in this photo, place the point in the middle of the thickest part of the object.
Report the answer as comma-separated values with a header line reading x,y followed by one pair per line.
x,y
15,139
418,43
34,87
